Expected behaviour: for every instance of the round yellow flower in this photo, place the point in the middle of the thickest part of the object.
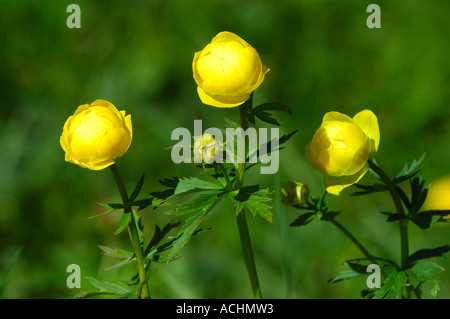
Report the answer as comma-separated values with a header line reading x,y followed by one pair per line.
x,y
206,148
294,194
227,71
341,147
438,197
96,134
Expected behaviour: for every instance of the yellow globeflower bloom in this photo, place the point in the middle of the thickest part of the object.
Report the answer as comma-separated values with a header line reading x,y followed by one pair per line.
x,y
341,147
438,197
96,134
227,71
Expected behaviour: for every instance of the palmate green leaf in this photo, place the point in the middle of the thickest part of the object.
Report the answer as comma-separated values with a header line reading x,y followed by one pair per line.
x,y
185,234
189,184
118,289
427,253
191,224
393,286
159,254
422,271
185,186
252,198
194,205
409,171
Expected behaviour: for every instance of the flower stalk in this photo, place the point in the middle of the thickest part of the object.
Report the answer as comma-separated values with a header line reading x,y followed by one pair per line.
x,y
403,222
133,232
241,220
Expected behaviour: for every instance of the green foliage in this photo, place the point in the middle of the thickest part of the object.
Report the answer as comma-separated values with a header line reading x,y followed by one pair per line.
x,y
354,270
116,252
260,112
316,208
123,224
416,269
252,198
304,219
115,289
393,286
139,56
208,194
427,253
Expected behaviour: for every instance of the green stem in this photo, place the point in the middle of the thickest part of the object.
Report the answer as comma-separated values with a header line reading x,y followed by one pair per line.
x,y
403,222
241,220
134,236
354,241
344,230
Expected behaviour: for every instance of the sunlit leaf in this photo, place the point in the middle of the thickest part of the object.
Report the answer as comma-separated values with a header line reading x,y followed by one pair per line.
x,y
109,288
116,252
126,219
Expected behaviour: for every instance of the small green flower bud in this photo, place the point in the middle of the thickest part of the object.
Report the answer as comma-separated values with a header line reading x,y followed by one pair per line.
x,y
294,194
206,148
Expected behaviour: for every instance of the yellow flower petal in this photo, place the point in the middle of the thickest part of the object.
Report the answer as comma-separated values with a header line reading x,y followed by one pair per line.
x,y
336,116
368,122
228,36
335,184
220,100
438,197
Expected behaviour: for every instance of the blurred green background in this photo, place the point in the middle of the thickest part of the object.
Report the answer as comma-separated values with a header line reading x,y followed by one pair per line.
x,y
138,55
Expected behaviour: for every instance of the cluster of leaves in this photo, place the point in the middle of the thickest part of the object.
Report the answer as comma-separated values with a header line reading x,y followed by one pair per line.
x,y
418,269
197,197
315,208
400,281
419,190
154,251
203,197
